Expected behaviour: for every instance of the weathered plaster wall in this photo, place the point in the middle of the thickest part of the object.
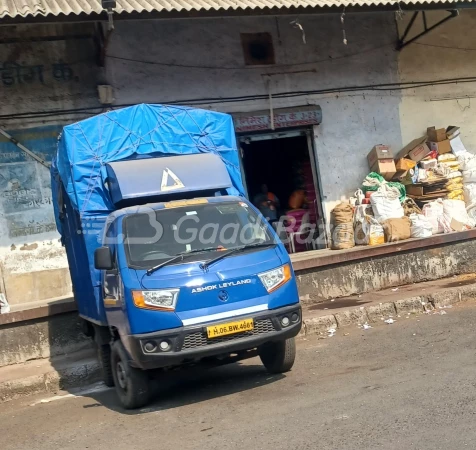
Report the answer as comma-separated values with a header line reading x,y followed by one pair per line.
x,y
383,272
42,338
445,53
352,123
53,71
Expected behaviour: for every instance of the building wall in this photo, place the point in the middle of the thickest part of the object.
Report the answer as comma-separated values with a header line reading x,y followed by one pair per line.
x,y
182,64
42,68
179,66
447,52
201,62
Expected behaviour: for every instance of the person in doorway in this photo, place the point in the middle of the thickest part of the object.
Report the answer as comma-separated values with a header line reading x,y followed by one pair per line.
x,y
267,203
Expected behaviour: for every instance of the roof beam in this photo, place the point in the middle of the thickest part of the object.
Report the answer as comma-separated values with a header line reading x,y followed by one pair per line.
x,y
402,43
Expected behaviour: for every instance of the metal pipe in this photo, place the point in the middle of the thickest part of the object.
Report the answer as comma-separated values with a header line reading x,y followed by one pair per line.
x,y
24,149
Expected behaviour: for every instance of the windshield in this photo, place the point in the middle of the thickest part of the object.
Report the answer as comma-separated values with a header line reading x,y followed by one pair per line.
x,y
202,230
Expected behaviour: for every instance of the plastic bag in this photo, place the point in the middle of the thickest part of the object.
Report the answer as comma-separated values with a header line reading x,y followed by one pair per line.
x,y
447,157
467,161
372,232
469,176
455,209
469,191
433,211
456,174
399,188
372,182
386,204
457,180
456,194
420,227
4,306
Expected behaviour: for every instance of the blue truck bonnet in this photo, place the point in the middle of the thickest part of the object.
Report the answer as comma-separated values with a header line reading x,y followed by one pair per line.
x,y
142,131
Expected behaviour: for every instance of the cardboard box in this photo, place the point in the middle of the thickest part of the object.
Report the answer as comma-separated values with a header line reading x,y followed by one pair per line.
x,y
379,152
385,167
441,147
428,164
419,152
404,164
405,151
452,132
436,135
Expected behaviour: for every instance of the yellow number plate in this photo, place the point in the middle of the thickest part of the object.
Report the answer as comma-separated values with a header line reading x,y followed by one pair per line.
x,y
230,328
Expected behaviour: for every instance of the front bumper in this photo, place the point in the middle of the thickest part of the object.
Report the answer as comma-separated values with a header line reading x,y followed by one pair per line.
x,y
191,343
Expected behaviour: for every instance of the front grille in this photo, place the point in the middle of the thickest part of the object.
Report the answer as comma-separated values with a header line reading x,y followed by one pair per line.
x,y
200,338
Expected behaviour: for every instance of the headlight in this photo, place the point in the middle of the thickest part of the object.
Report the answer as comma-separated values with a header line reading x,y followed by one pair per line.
x,y
273,279
164,299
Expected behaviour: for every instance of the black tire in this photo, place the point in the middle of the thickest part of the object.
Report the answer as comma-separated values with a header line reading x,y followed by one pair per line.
x,y
132,385
104,357
278,357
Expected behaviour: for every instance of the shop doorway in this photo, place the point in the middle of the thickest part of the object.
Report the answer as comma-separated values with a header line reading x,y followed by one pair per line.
x,y
285,163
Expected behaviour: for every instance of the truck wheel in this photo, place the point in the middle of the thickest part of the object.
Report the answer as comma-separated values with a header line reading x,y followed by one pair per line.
x,y
132,385
278,357
104,357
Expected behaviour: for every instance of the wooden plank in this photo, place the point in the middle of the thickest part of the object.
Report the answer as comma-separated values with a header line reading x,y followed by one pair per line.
x,y
413,189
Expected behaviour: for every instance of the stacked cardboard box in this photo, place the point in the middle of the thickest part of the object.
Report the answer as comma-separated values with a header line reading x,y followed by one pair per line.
x,y
381,161
429,178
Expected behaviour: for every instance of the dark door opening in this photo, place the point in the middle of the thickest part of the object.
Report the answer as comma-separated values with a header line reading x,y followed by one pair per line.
x,y
284,166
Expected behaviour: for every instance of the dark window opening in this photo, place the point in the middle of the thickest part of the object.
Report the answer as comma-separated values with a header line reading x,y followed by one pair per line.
x,y
257,48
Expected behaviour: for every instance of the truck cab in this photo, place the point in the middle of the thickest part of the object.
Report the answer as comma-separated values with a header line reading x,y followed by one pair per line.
x,y
183,273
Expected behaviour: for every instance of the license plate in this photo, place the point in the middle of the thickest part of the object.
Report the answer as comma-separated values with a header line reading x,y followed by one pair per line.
x,y
230,328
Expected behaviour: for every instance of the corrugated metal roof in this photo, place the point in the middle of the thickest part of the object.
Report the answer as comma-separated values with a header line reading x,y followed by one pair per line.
x,y
24,8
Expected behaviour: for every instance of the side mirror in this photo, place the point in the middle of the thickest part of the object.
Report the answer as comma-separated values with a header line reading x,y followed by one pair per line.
x,y
103,259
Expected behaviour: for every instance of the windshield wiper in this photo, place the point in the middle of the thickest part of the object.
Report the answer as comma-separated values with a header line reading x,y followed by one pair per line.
x,y
199,250
207,264
180,256
164,263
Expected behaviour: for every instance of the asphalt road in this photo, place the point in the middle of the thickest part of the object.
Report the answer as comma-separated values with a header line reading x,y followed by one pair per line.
x,y
410,385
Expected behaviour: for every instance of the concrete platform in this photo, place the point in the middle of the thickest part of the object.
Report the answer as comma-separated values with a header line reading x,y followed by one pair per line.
x,y
81,368
48,375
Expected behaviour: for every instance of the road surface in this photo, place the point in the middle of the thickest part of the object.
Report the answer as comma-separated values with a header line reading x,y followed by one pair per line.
x,y
409,385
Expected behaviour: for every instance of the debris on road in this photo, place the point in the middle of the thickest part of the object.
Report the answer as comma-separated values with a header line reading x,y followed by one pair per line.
x,y
390,321
395,289
332,332
366,326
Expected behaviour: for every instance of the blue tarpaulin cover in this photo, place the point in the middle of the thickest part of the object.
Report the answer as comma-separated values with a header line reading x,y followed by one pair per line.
x,y
79,174
140,131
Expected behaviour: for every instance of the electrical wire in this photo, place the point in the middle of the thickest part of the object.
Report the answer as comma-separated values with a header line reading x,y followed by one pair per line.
x,y
304,63
467,49
283,95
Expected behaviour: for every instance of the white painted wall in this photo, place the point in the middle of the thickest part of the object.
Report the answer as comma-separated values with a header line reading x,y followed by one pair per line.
x,y
446,52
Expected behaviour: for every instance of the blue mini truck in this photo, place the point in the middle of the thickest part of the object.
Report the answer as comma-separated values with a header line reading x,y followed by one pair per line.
x,y
171,265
